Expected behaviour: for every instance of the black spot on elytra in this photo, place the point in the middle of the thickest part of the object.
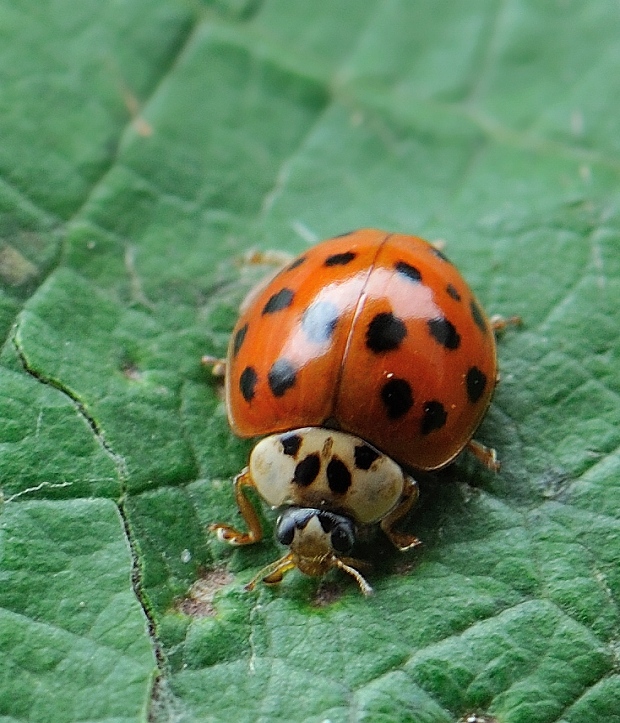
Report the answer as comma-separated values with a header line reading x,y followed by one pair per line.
x,y
476,382
247,383
280,300
298,262
238,340
307,470
397,397
408,271
453,293
340,259
478,316
319,321
338,476
281,377
385,332
434,417
444,332
365,456
291,444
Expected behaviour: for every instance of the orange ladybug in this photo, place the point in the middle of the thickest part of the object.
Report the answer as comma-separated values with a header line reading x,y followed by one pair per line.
x,y
366,358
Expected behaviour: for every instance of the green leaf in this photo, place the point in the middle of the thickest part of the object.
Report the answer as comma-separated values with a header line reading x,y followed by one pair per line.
x,y
72,633
148,145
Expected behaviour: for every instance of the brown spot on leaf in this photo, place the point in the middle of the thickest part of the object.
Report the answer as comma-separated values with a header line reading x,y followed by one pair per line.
x,y
131,371
199,600
327,594
15,269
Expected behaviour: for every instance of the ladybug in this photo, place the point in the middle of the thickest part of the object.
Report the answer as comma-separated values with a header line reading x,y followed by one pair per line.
x,y
366,358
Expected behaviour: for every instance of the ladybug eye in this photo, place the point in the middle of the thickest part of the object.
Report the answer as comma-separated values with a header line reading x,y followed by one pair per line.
x,y
285,530
342,539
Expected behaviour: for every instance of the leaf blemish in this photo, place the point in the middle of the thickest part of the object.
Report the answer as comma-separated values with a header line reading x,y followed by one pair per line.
x,y
199,601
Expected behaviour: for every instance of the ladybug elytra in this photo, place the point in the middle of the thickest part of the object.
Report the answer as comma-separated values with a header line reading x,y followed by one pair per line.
x,y
366,358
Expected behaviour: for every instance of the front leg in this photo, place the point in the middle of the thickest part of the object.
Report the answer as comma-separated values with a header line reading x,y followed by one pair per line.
x,y
229,534
402,540
218,365
499,322
484,454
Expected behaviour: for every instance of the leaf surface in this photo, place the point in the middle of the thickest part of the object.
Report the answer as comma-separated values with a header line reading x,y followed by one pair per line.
x,y
147,146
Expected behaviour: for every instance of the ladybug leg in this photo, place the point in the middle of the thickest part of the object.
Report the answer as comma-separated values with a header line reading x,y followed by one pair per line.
x,y
273,573
229,534
499,323
486,455
402,540
277,260
256,257
218,366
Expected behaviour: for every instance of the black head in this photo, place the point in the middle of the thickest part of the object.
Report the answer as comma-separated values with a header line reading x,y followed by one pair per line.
x,y
311,533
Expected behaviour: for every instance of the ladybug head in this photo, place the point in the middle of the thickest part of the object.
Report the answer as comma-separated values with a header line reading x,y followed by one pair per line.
x,y
318,540
313,535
